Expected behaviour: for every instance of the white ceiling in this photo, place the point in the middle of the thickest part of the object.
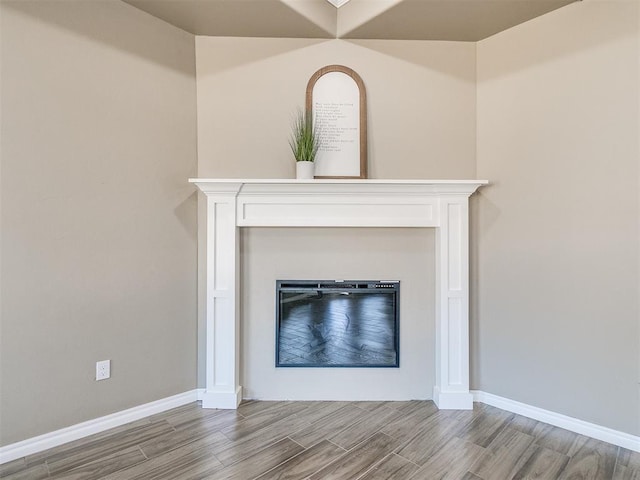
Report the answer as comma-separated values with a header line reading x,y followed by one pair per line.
x,y
457,20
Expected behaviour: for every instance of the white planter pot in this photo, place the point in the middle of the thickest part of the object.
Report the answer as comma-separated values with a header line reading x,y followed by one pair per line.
x,y
305,170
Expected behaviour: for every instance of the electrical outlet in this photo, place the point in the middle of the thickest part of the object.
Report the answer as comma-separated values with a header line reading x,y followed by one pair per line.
x,y
103,369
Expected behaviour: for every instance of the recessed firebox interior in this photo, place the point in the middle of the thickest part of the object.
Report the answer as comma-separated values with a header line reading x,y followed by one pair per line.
x,y
337,323
271,253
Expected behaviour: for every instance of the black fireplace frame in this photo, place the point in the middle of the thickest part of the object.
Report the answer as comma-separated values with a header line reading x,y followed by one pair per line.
x,y
341,286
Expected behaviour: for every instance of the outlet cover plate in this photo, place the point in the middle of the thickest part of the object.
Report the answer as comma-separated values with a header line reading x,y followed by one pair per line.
x,y
103,369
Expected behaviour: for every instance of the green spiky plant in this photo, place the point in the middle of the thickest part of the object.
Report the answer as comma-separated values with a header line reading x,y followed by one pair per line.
x,y
304,140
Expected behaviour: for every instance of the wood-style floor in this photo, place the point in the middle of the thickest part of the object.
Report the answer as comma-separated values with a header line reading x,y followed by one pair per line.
x,y
332,440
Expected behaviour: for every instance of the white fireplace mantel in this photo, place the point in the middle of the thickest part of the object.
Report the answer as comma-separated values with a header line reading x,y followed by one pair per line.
x,y
439,204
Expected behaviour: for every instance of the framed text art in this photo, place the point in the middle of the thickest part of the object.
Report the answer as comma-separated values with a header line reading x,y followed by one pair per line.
x,y
337,101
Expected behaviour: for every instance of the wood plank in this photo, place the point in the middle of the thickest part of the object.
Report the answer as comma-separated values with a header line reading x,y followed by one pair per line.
x,y
261,462
105,446
523,424
626,473
428,437
71,447
505,456
370,406
451,461
470,476
463,417
628,458
183,459
485,425
321,410
34,472
195,467
336,422
627,465
365,427
392,467
594,461
543,464
355,463
256,422
176,438
580,442
219,418
104,466
254,442
414,417
190,412
554,438
12,467
192,408
223,419
408,406
252,407
306,463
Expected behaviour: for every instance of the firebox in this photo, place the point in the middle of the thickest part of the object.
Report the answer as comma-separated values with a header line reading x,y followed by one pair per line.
x,y
337,323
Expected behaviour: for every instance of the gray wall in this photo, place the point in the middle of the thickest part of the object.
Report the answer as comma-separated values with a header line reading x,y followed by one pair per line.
x,y
249,90
556,320
98,224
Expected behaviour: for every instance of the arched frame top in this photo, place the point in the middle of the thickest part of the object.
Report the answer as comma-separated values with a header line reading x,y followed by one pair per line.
x,y
363,111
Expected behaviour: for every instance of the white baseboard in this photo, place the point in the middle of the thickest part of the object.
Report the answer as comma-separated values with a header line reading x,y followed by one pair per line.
x,y
592,430
200,393
90,427
224,399
84,429
452,400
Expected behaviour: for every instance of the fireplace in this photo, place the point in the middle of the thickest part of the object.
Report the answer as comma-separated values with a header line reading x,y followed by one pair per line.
x,y
337,323
439,204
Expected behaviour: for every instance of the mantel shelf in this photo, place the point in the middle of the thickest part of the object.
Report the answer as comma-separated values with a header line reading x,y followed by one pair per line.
x,y
284,186
338,181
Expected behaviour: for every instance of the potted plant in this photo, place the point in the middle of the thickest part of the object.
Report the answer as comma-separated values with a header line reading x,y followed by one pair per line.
x,y
304,143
